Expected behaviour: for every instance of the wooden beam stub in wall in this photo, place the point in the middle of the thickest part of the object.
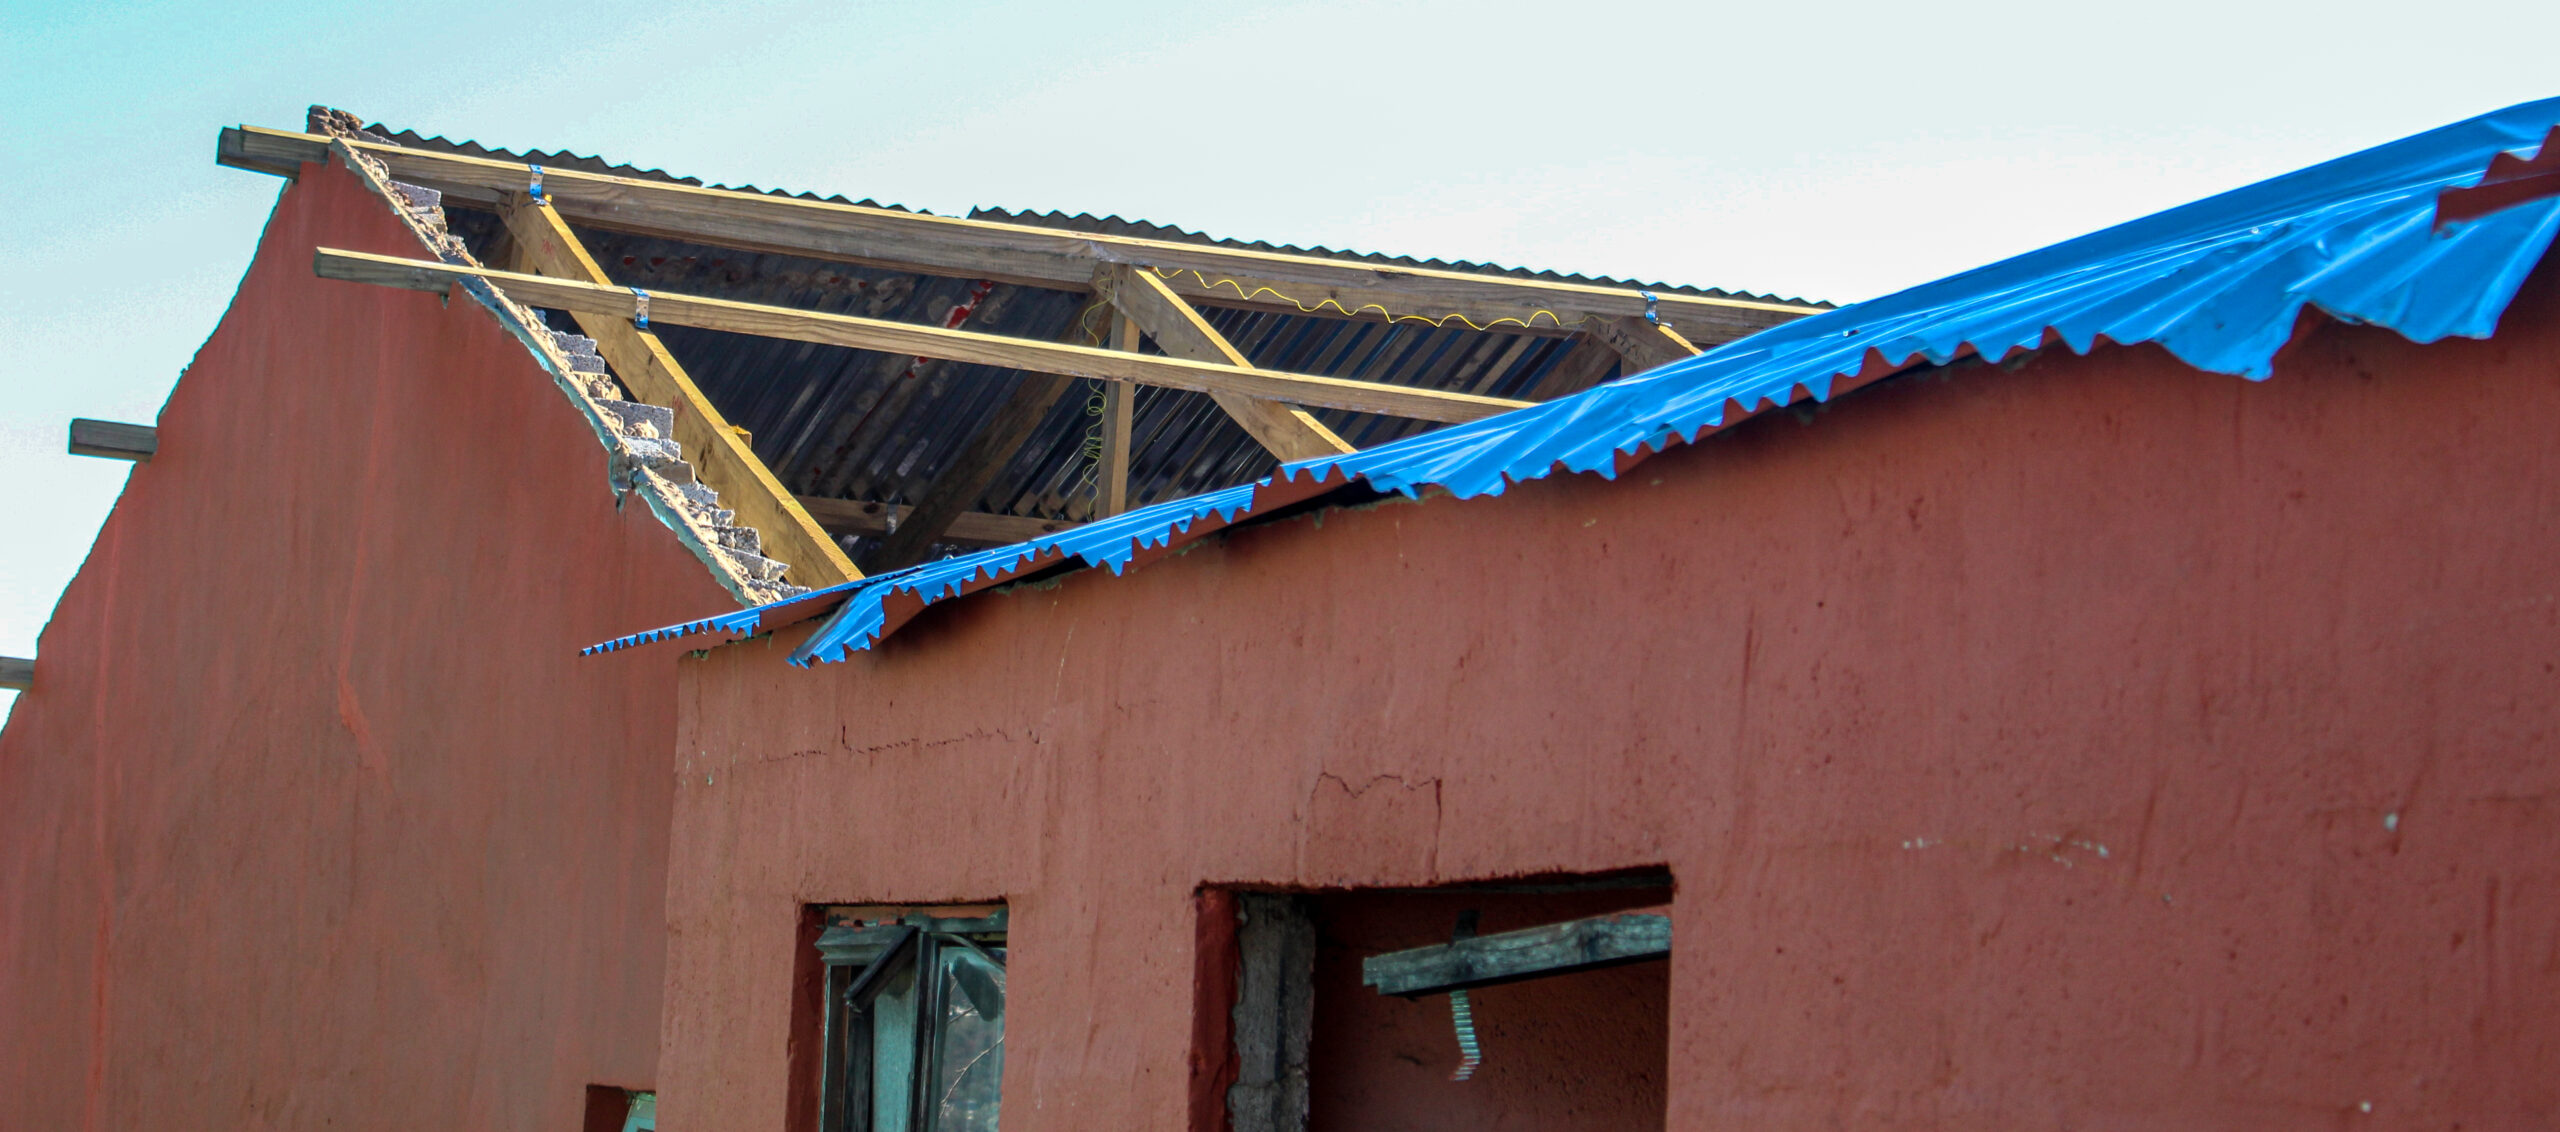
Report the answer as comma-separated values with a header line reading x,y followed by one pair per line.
x,y
114,440
17,673
542,243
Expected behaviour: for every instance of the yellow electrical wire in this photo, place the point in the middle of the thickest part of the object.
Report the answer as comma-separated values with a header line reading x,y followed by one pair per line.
x,y
1242,295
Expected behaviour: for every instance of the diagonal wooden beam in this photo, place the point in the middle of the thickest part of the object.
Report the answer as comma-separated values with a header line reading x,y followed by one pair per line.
x,y
1644,345
1140,295
1587,365
542,242
977,528
1021,253
922,341
957,488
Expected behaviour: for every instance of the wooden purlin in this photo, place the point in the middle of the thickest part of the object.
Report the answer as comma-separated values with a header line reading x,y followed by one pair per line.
x,y
1213,274
721,455
923,341
1285,430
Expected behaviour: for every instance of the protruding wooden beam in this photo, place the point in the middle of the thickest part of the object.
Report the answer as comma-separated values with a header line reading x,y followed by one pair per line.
x,y
17,673
1119,418
1530,953
979,528
1140,295
923,341
1644,345
114,440
542,242
1019,253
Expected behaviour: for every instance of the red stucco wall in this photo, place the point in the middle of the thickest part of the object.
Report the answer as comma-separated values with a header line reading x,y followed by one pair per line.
x,y
313,818
2099,744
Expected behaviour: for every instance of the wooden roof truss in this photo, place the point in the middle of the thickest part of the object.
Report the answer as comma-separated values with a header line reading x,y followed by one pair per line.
x,y
1140,287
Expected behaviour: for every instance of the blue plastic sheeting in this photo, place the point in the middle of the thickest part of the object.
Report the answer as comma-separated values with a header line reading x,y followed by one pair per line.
x,y
2219,283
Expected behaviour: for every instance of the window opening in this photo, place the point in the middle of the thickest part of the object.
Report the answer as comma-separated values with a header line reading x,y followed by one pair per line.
x,y
1345,1006
914,1019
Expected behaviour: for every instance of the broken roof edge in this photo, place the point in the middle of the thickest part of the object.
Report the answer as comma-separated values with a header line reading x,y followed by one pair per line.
x,y
2221,284
642,459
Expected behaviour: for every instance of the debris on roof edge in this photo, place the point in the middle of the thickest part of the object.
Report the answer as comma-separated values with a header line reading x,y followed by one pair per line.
x,y
642,458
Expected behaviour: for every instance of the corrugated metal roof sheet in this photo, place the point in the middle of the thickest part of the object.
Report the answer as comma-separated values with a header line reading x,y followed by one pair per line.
x,y
1074,222
2219,283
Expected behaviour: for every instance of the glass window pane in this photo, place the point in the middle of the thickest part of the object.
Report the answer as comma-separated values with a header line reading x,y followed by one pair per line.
x,y
969,1045
893,1051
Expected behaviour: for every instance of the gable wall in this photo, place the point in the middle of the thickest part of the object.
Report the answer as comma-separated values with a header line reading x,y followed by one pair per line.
x,y
2096,744
314,817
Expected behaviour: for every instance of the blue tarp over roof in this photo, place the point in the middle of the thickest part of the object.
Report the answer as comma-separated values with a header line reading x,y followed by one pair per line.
x,y
2219,283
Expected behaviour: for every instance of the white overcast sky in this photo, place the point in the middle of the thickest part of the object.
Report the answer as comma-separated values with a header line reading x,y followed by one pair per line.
x,y
1835,151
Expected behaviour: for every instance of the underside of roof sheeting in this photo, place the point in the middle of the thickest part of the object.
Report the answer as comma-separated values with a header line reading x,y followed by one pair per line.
x,y
855,424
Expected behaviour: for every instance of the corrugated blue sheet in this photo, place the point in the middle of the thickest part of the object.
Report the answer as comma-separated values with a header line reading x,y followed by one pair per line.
x,y
2218,283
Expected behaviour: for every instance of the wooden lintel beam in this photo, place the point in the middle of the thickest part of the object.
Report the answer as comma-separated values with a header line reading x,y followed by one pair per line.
x,y
17,673
1530,953
114,440
922,341
1018,253
1644,345
978,528
721,456
1141,296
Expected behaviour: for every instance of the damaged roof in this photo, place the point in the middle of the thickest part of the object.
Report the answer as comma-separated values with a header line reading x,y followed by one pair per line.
x,y
2429,236
868,428
830,405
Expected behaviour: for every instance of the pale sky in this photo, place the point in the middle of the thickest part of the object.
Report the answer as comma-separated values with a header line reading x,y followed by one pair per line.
x,y
1835,151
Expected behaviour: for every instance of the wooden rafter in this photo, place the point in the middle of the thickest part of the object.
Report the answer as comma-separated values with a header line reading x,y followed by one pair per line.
x,y
1141,296
1586,366
542,242
923,341
966,478
1019,253
945,504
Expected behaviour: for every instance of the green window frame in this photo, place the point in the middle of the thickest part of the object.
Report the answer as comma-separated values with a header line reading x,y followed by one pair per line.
x,y
914,1023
